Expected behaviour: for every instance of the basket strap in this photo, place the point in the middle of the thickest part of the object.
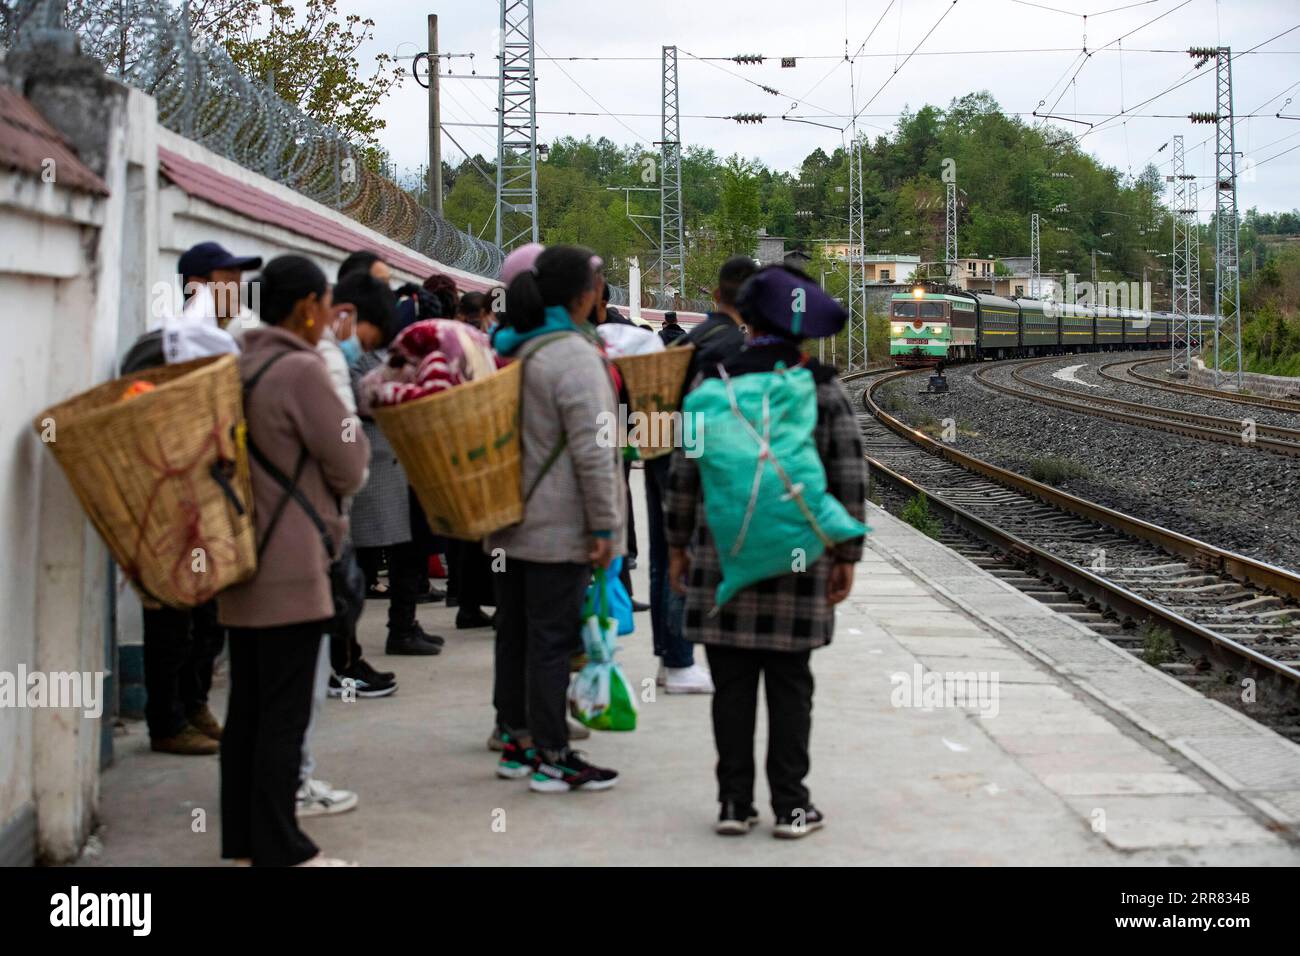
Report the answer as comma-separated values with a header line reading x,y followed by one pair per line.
x,y
290,485
558,449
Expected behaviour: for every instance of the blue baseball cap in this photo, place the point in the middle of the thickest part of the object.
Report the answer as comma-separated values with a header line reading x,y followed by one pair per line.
x,y
207,257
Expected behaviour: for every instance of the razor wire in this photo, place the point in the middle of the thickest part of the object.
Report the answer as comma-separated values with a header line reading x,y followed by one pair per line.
x,y
203,96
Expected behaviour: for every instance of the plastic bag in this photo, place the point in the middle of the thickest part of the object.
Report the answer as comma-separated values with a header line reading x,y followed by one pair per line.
x,y
619,602
601,696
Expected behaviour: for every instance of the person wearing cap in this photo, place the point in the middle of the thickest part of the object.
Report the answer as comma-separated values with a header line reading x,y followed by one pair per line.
x,y
671,330
770,628
181,645
211,278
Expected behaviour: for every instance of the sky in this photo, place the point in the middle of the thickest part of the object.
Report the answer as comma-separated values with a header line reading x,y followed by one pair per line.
x,y
960,47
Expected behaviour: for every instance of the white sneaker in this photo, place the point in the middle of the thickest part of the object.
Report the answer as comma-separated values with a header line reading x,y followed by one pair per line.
x,y
320,859
688,680
316,798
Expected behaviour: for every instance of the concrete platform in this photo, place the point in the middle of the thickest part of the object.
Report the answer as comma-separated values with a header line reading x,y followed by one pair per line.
x,y
1083,756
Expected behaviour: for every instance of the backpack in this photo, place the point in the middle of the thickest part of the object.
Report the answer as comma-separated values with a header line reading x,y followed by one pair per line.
x,y
765,497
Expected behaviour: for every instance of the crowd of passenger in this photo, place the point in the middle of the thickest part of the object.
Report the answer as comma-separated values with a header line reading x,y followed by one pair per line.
x,y
335,512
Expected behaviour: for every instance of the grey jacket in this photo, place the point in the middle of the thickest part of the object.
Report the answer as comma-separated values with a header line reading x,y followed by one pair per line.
x,y
567,391
381,511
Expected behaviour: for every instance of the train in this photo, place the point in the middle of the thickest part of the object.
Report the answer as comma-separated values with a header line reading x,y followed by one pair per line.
x,y
927,328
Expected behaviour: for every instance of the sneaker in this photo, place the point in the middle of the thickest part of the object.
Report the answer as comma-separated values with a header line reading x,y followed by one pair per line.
x,y
320,859
688,680
799,823
735,819
368,682
205,723
518,758
316,798
495,741
639,606
560,773
413,643
190,742
469,619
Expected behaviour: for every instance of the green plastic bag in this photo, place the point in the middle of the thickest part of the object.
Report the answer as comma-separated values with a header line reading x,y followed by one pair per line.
x,y
600,696
765,497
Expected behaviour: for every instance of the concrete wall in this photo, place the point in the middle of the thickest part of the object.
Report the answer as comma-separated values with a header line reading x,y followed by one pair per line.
x,y
1269,386
77,281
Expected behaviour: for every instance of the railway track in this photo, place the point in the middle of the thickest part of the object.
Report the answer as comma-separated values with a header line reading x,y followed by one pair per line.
x,y
1127,372
1123,577
1244,433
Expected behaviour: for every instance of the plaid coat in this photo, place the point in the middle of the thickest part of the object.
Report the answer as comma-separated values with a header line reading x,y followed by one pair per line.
x,y
788,612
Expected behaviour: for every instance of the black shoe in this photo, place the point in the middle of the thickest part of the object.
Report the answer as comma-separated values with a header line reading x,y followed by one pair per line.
x,y
735,818
467,619
367,682
640,606
562,772
414,642
798,823
431,596
452,600
494,619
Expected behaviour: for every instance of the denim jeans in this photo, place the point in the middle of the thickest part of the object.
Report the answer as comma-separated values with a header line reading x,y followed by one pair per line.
x,y
667,607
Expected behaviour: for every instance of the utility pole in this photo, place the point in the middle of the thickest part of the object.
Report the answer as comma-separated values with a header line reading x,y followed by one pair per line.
x,y
435,122
1227,277
672,245
516,200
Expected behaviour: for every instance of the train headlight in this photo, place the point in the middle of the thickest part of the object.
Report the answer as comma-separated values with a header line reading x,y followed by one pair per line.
x,y
937,328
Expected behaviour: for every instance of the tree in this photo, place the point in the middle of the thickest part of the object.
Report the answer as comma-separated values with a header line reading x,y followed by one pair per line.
x,y
311,55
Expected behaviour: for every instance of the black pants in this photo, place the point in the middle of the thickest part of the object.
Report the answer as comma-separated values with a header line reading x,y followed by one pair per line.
x,y
788,683
272,671
408,574
469,574
538,612
180,648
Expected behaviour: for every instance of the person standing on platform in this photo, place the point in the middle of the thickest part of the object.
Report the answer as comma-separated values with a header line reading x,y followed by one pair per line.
x,y
302,467
769,629
715,339
573,513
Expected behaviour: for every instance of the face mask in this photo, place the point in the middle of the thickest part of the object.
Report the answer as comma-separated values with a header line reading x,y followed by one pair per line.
x,y
351,349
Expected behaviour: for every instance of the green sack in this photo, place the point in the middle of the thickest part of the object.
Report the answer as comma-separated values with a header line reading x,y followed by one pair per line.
x,y
765,497
600,696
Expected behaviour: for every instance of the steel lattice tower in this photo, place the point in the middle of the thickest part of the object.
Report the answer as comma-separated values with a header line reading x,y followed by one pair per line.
x,y
1180,337
1035,259
672,245
1227,279
1193,254
855,357
950,234
516,207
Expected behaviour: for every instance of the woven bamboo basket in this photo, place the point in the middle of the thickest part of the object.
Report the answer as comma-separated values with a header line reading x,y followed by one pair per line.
x,y
460,450
164,477
654,387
